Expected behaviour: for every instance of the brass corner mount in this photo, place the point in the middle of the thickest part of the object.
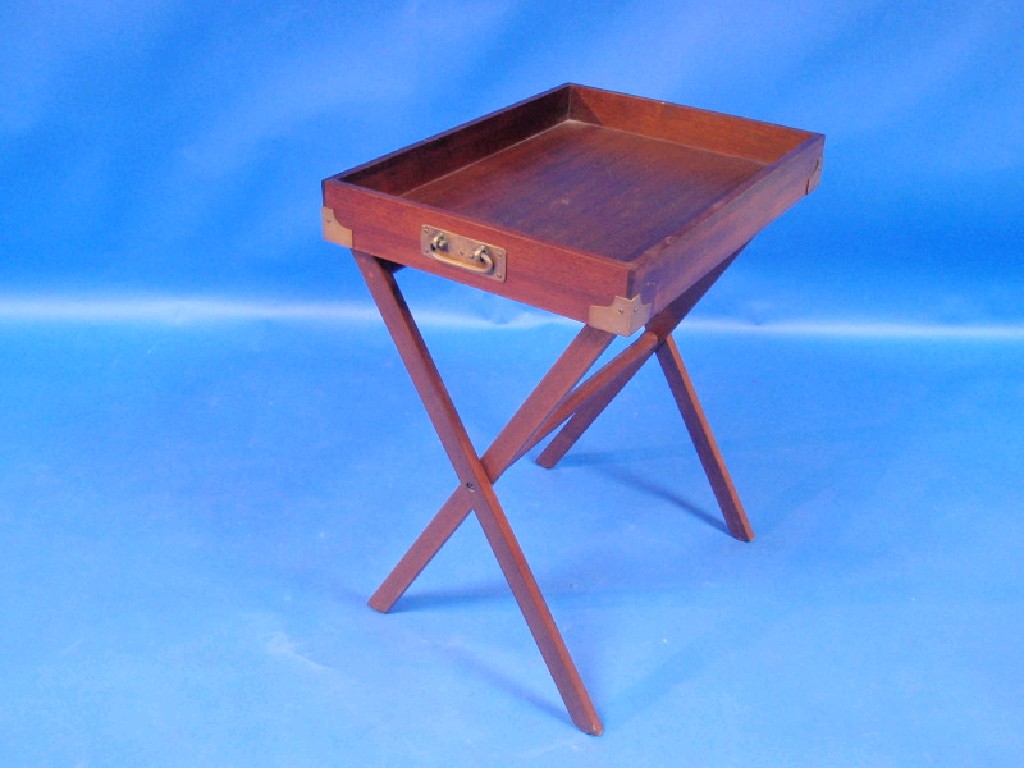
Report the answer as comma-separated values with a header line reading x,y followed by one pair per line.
x,y
623,316
334,232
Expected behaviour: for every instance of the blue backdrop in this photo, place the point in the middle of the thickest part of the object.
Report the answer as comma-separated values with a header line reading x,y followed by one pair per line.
x,y
175,148
210,454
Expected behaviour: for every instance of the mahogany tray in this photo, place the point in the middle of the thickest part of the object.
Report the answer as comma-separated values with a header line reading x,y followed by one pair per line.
x,y
598,206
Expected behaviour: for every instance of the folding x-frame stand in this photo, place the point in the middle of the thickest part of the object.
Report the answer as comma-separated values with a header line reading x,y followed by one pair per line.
x,y
558,398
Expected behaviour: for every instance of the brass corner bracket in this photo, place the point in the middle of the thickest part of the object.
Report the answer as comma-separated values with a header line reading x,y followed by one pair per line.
x,y
333,231
815,178
623,316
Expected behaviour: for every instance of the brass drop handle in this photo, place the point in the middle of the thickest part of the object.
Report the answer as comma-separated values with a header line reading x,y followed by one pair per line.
x,y
463,253
478,261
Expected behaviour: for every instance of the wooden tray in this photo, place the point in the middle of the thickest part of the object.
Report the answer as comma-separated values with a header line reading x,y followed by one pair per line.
x,y
607,206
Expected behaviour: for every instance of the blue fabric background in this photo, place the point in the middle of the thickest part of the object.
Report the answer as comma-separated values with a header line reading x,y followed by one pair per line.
x,y
175,148
210,454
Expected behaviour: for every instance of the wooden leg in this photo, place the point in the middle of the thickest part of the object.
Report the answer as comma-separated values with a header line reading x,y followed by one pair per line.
x,y
552,402
499,457
597,391
586,409
478,487
503,452
427,544
703,440
658,340
610,378
586,413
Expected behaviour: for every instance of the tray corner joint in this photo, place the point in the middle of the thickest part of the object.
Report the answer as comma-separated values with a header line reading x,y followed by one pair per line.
x,y
623,316
333,231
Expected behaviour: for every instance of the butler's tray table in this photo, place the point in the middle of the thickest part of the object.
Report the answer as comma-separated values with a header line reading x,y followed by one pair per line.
x,y
612,210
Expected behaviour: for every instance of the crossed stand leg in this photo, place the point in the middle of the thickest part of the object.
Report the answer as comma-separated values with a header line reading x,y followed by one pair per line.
x,y
557,398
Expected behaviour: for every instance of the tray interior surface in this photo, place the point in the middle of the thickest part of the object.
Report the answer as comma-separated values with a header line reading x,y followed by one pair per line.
x,y
589,187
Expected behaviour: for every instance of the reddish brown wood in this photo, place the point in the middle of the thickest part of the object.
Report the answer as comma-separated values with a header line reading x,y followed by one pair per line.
x,y
539,187
658,329
586,413
570,367
478,488
594,387
703,440
562,280
594,195
583,404
440,528
701,128
673,265
693,416
400,171
608,207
